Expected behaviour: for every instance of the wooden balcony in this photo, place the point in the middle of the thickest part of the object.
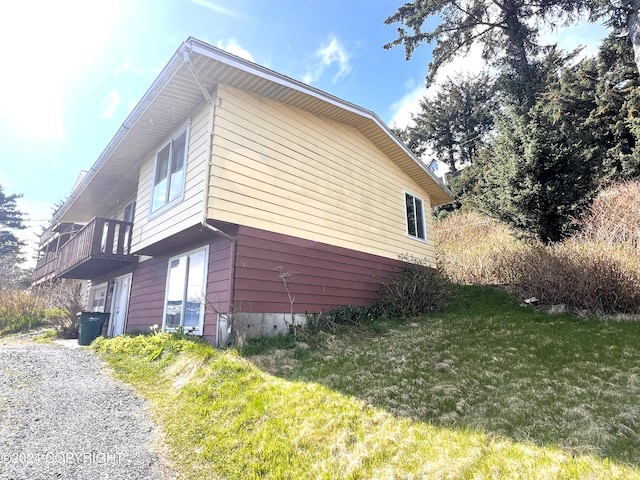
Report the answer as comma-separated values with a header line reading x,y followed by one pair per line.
x,y
45,268
100,247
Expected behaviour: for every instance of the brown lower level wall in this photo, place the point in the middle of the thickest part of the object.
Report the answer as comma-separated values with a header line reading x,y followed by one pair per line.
x,y
146,302
318,277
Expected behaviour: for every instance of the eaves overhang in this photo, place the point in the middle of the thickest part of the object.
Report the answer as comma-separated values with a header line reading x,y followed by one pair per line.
x,y
174,95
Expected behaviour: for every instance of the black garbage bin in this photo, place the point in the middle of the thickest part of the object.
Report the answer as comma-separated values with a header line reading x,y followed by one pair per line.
x,y
90,326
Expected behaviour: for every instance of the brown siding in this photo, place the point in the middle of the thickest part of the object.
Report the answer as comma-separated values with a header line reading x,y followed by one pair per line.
x,y
147,294
217,286
322,276
149,282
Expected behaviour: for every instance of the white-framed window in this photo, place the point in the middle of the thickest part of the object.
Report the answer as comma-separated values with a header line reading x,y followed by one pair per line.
x,y
184,303
129,211
97,298
168,172
415,217
127,216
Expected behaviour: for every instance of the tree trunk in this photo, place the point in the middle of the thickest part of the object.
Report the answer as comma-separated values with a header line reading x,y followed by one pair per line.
x,y
516,51
633,24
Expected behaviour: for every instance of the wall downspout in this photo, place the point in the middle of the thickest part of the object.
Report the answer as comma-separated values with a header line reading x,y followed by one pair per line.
x,y
213,104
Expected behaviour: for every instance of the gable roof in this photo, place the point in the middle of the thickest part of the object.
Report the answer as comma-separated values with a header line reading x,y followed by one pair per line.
x,y
177,91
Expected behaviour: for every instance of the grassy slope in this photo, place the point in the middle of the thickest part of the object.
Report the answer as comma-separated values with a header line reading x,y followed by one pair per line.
x,y
484,390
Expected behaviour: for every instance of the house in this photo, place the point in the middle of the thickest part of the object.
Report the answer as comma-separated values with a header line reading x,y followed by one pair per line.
x,y
234,194
442,169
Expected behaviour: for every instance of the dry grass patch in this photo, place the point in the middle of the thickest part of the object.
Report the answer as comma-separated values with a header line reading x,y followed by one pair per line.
x,y
614,217
471,249
596,271
583,275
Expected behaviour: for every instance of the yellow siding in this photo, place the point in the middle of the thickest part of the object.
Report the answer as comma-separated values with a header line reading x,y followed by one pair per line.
x,y
285,170
149,229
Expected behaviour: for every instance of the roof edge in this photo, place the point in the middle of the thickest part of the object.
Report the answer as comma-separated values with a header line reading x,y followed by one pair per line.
x,y
192,44
163,78
215,53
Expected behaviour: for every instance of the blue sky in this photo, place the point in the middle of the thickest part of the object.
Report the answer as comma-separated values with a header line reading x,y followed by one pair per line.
x,y
74,69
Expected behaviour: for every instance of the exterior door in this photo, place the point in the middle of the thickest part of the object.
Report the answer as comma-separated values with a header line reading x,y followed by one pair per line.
x,y
119,305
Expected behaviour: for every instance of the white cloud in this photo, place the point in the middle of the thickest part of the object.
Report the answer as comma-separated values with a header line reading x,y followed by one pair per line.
x,y
122,68
109,104
232,47
46,46
218,9
328,54
402,109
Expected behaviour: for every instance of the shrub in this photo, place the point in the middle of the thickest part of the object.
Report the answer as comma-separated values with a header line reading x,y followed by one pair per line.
x,y
470,249
19,311
596,270
356,316
581,275
614,217
414,289
64,300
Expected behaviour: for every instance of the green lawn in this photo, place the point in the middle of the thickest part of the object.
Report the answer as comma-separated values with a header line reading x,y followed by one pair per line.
x,y
486,389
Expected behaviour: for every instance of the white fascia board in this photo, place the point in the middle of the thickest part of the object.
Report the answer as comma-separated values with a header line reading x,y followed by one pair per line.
x,y
254,69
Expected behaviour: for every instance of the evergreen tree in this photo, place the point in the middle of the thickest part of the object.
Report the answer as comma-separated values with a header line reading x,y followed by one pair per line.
x,y
622,16
615,118
507,30
11,219
455,123
562,127
543,173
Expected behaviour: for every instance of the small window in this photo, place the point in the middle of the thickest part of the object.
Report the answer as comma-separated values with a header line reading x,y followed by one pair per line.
x,y
415,217
128,216
168,179
97,298
186,289
129,211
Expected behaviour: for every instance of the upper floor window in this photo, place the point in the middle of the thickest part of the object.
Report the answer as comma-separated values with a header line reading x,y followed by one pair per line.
x,y
415,217
168,178
129,211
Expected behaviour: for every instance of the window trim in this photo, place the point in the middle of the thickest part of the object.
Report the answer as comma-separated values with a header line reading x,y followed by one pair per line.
x,y
132,204
199,330
174,136
92,296
406,218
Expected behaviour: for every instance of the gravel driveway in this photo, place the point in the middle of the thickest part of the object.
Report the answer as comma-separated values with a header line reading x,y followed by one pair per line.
x,y
63,417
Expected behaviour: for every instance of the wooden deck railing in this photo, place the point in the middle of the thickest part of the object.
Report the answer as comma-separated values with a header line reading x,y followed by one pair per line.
x,y
45,267
100,242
